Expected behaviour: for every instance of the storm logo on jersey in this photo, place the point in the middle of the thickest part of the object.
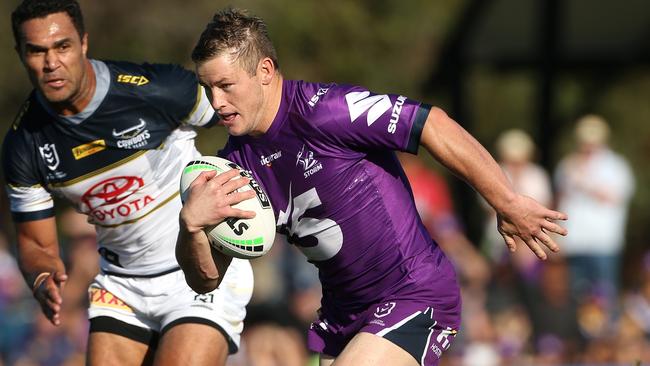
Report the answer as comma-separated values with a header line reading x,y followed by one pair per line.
x,y
108,199
309,164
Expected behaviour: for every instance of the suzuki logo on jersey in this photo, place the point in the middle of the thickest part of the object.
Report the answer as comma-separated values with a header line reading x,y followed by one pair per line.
x,y
384,309
360,102
267,160
132,79
309,164
133,137
376,105
50,156
109,199
394,117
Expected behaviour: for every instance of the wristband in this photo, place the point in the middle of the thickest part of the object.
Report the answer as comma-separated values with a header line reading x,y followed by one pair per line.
x,y
39,280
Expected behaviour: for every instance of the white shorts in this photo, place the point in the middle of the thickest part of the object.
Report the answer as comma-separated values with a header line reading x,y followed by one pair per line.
x,y
155,304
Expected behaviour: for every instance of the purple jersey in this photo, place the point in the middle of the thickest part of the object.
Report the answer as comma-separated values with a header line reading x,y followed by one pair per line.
x,y
340,195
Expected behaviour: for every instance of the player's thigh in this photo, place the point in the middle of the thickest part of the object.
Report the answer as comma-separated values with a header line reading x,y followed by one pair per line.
x,y
222,310
192,344
367,349
113,349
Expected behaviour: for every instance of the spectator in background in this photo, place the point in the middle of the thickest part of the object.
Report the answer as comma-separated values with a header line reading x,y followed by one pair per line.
x,y
594,186
515,152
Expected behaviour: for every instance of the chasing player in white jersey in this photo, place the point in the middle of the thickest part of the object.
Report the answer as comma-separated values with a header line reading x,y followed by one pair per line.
x,y
112,139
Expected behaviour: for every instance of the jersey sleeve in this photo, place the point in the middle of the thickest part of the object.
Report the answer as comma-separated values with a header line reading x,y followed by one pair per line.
x,y
361,119
28,198
183,97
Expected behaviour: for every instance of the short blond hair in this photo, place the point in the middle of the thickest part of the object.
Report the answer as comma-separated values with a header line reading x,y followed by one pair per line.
x,y
592,129
243,36
515,145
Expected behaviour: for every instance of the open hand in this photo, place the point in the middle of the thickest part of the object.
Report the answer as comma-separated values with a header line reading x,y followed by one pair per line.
x,y
529,220
48,295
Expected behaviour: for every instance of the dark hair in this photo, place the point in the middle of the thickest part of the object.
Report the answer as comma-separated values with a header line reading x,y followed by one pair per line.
x,y
31,9
244,36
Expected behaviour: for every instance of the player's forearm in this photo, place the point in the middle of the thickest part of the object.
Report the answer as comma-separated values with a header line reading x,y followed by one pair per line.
x,y
461,153
35,259
38,248
194,256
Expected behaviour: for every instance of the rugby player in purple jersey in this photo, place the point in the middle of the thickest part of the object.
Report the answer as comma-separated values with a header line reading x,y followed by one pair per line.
x,y
325,154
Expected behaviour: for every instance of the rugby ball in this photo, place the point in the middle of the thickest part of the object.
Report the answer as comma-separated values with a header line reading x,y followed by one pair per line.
x,y
235,237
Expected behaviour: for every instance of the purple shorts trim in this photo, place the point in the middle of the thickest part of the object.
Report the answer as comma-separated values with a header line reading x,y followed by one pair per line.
x,y
414,326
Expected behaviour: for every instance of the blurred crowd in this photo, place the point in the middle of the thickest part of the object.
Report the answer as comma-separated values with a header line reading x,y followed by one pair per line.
x,y
569,310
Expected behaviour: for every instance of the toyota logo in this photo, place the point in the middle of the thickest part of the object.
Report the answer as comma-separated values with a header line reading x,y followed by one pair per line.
x,y
111,191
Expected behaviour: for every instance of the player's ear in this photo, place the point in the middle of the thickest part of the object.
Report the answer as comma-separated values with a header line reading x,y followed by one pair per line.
x,y
84,44
266,70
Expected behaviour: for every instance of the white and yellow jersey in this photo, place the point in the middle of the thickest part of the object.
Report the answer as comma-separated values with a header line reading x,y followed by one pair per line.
x,y
119,161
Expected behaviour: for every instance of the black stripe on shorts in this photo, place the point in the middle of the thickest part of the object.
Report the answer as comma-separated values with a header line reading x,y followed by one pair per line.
x,y
130,331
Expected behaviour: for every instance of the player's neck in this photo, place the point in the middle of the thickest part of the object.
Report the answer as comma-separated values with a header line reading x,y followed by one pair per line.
x,y
81,100
273,102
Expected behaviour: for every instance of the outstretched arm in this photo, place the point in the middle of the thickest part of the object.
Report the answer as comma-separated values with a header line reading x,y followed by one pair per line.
x,y
518,215
42,268
208,203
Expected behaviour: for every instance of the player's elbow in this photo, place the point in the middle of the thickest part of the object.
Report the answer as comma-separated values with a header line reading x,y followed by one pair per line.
x,y
204,288
198,278
202,283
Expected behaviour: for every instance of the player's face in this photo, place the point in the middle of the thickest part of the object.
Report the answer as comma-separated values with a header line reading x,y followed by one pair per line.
x,y
237,97
55,57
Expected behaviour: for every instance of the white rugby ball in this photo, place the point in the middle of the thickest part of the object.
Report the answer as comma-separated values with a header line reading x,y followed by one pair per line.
x,y
240,238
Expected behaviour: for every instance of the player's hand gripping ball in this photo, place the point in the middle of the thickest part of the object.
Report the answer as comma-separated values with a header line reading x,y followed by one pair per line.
x,y
236,237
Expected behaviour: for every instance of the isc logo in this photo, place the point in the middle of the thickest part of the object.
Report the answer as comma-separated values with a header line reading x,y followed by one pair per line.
x,y
132,79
